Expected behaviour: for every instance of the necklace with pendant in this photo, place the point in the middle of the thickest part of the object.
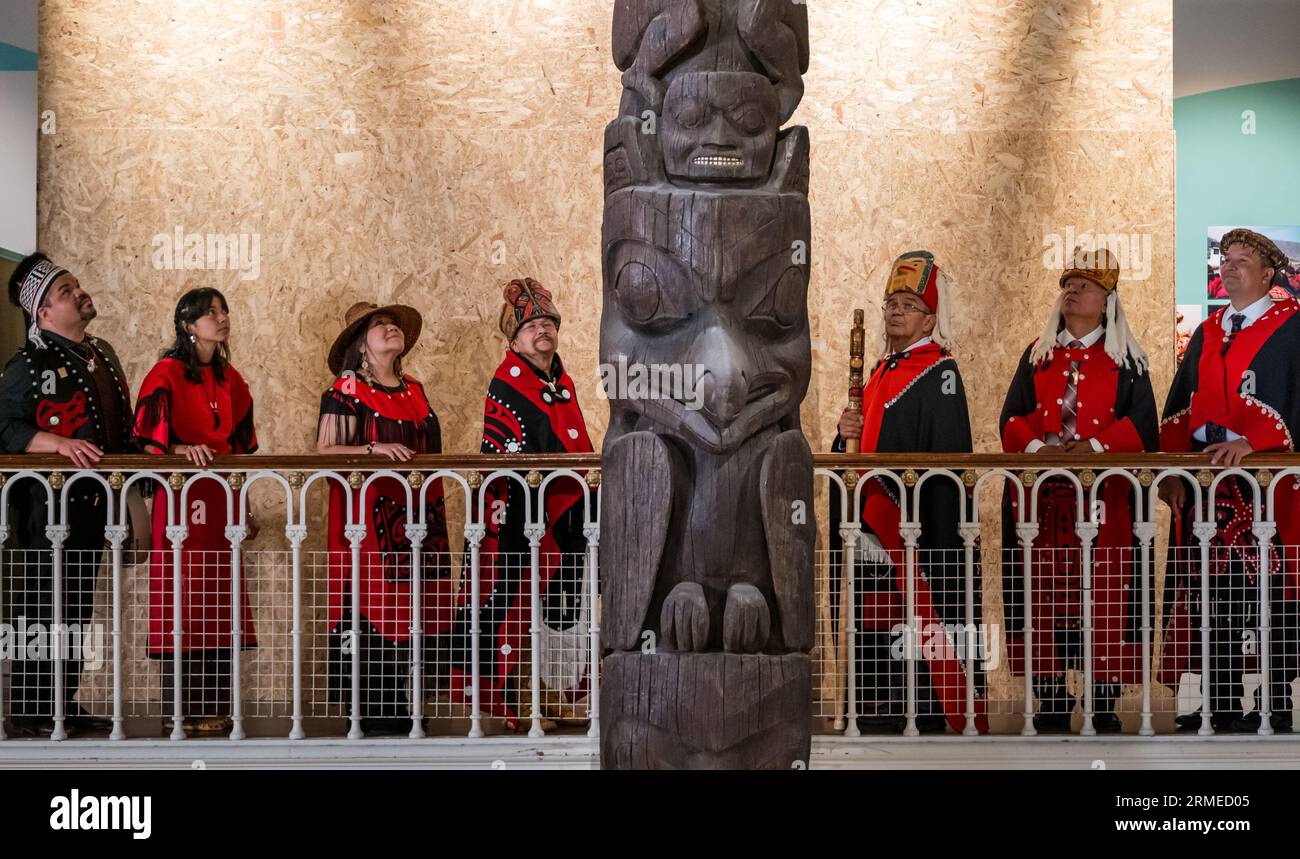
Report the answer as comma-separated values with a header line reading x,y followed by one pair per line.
x,y
212,402
89,362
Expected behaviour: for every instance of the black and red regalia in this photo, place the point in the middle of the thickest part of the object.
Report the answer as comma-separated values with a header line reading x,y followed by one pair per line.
x,y
216,411
1114,412
913,402
1233,385
528,411
366,412
73,390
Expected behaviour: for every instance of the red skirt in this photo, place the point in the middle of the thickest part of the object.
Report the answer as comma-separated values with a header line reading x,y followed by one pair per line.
x,y
205,575
386,562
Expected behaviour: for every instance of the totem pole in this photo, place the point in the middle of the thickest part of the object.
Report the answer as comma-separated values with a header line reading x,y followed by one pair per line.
x,y
707,529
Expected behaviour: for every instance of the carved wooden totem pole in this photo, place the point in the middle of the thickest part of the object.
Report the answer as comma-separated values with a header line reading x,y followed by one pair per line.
x,y
707,525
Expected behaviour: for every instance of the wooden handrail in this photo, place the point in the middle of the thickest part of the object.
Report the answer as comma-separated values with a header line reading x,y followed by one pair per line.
x,y
490,462
312,462
1039,462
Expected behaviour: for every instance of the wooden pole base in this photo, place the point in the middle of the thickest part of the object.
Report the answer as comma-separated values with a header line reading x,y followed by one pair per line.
x,y
705,711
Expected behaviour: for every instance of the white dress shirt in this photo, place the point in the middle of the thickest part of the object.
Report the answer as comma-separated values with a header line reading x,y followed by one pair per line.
x,y
924,341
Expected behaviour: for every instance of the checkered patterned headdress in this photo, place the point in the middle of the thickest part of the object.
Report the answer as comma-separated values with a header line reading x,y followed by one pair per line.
x,y
32,293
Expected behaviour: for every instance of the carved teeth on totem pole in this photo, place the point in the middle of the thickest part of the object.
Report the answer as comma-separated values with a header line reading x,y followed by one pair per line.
x,y
707,527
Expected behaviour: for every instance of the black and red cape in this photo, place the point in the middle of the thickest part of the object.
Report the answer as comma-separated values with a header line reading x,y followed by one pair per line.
x,y
1251,387
915,402
525,411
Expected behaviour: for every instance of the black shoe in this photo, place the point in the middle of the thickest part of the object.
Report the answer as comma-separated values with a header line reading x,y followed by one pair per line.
x,y
1248,724
931,724
386,727
30,727
878,725
1107,723
1052,723
84,723
1222,723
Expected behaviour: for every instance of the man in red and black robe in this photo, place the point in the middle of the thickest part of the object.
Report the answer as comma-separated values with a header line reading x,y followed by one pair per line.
x,y
1236,392
531,407
1083,386
63,393
913,402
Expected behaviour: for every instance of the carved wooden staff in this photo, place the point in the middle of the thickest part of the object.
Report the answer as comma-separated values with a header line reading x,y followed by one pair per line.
x,y
857,348
857,351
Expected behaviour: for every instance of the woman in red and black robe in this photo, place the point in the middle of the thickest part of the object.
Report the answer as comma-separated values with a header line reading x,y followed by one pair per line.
x,y
374,408
1083,391
1236,393
528,410
913,402
194,403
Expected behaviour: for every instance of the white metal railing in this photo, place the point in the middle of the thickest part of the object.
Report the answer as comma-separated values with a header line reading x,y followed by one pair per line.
x,y
286,571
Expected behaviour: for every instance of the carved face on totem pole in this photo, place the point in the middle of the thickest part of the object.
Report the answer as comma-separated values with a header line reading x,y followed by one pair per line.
x,y
720,127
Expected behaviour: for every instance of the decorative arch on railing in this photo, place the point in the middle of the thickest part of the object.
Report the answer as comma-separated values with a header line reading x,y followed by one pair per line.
x,y
1268,480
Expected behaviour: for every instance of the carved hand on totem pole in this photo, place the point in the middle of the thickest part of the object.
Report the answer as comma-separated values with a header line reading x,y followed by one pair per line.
x,y
707,529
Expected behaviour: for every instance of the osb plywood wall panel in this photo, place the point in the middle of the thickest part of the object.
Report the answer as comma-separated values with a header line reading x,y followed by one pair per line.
x,y
425,152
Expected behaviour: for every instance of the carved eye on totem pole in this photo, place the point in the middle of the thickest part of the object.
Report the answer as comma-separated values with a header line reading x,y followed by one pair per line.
x,y
720,127
780,309
618,172
649,305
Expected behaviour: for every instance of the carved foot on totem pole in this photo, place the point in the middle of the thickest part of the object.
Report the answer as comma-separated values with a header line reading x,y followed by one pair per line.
x,y
685,619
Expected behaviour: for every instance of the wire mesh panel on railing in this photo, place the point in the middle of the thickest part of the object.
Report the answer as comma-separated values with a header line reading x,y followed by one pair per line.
x,y
368,622
1213,626
369,608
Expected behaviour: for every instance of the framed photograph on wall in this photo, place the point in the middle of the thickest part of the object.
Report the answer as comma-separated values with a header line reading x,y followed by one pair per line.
x,y
1285,284
1186,319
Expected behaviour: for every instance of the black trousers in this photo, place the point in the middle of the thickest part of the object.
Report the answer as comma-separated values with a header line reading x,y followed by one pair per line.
x,y
1235,639
1053,694
28,573
385,670
205,683
881,670
882,678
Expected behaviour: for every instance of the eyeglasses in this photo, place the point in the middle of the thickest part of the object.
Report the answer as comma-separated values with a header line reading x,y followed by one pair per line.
x,y
903,307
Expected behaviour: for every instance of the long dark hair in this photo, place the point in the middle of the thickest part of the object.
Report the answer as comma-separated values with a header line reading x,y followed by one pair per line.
x,y
191,307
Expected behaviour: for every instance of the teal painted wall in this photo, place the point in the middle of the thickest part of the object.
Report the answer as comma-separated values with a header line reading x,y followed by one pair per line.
x,y
1226,177
15,59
